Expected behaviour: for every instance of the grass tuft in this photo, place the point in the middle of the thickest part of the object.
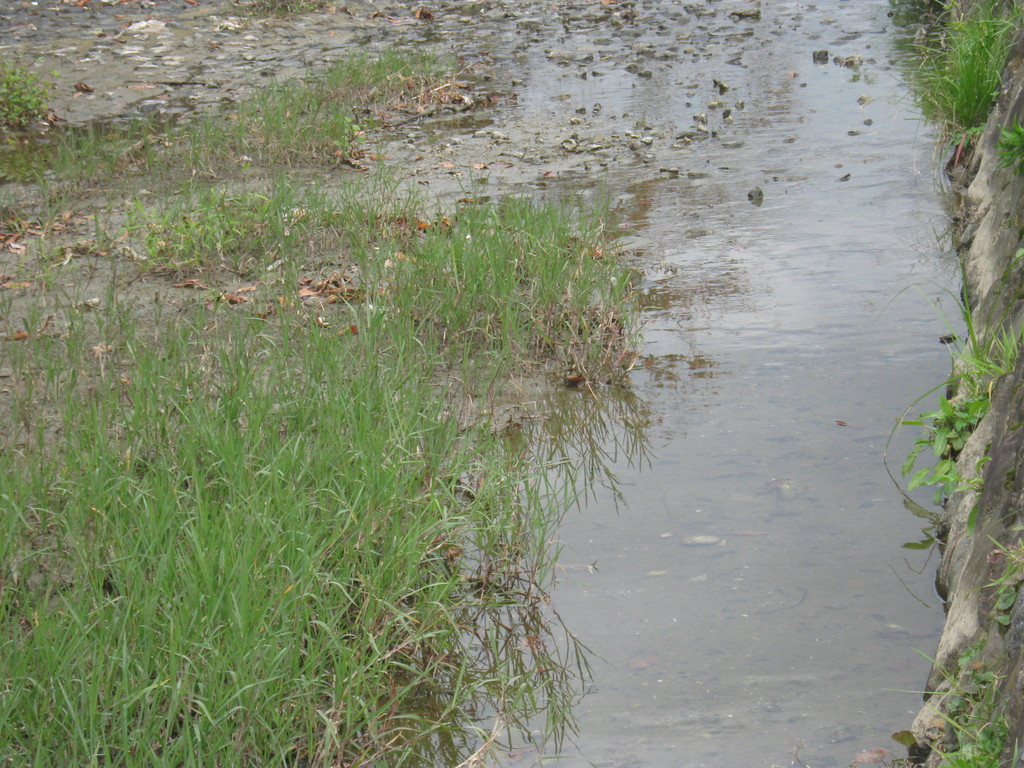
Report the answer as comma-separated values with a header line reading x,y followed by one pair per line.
x,y
23,96
961,69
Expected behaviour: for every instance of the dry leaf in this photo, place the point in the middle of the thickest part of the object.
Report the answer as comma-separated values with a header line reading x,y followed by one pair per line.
x,y
16,336
233,298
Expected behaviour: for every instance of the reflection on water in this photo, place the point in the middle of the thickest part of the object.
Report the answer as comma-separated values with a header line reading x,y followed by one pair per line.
x,y
529,668
752,592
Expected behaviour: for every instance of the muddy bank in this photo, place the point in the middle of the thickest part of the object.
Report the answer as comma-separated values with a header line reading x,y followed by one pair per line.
x,y
980,657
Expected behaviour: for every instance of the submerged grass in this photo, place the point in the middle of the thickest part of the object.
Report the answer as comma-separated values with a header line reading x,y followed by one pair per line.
x,y
258,529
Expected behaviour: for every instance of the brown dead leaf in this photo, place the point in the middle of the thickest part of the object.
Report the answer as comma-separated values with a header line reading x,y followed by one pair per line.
x,y
14,286
550,174
233,298
480,166
190,284
81,87
422,226
246,289
447,165
16,336
100,350
423,14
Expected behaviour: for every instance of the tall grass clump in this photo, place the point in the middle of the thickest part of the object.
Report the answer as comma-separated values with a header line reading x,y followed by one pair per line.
x,y
234,535
961,67
256,545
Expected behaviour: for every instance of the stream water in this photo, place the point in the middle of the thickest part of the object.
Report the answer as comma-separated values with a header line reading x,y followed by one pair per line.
x,y
744,589
743,583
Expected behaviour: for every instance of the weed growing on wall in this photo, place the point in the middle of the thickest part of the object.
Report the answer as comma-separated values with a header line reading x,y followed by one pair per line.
x,y
1011,147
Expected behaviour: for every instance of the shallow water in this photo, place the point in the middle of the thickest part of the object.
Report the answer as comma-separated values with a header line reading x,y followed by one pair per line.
x,y
743,587
781,343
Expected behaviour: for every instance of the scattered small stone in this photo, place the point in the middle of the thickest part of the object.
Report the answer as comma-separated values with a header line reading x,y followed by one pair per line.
x,y
820,57
756,196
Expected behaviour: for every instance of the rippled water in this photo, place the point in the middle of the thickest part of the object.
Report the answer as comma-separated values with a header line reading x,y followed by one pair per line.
x,y
751,592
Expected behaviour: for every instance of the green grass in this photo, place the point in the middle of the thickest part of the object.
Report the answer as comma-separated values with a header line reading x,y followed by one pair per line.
x,y
285,7
969,710
23,96
317,120
234,537
979,358
262,515
960,73
210,228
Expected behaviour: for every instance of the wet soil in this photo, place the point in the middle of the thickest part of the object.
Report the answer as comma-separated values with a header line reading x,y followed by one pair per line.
x,y
750,593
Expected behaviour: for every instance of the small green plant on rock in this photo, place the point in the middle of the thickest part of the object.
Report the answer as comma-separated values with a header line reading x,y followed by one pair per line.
x,y
970,713
1011,147
945,432
22,96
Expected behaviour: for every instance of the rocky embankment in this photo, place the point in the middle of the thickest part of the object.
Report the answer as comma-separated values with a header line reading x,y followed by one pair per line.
x,y
980,657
